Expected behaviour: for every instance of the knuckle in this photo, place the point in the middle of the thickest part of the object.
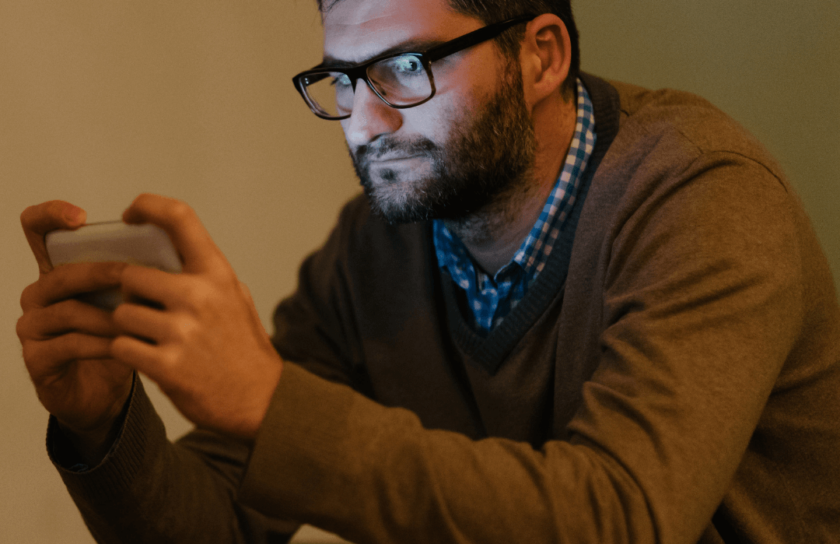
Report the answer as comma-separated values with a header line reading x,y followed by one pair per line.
x,y
121,314
23,326
170,358
33,217
30,214
25,217
39,325
30,352
184,330
36,355
199,295
144,200
180,211
29,296
36,324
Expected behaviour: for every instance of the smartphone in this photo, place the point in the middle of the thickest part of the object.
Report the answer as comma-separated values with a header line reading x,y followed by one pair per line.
x,y
146,245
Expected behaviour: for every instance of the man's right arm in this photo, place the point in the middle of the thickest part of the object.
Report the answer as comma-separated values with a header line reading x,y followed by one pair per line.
x,y
130,483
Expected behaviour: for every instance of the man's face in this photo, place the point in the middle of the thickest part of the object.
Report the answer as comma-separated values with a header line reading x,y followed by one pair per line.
x,y
453,155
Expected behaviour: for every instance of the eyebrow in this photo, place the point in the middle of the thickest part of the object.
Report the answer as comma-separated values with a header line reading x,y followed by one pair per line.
x,y
410,46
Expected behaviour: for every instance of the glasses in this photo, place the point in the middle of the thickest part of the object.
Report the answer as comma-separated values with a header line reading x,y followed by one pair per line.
x,y
401,80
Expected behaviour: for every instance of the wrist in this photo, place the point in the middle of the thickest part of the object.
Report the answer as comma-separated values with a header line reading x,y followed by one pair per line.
x,y
260,397
88,447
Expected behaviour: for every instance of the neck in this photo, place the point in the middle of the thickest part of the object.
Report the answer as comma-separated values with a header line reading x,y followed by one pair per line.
x,y
494,234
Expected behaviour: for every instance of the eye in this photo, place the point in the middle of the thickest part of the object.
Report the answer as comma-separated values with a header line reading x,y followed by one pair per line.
x,y
341,80
407,64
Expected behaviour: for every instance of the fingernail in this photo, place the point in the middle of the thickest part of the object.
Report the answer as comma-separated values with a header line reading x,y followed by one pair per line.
x,y
73,214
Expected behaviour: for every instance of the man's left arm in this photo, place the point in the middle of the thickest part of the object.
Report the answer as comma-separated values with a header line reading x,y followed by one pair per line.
x,y
702,306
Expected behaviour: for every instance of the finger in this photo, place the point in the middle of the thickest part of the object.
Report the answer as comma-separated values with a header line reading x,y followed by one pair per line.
x,y
139,355
182,225
44,358
65,317
38,220
70,280
143,322
163,288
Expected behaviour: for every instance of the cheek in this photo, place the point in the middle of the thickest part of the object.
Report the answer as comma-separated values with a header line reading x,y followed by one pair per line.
x,y
443,115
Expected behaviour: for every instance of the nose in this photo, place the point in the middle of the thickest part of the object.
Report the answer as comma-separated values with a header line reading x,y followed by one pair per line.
x,y
371,118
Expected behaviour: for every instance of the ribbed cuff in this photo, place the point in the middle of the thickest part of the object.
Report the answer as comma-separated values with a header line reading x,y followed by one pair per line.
x,y
110,480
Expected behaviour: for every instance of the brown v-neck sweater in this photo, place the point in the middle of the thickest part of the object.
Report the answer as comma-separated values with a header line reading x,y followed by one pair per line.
x,y
672,376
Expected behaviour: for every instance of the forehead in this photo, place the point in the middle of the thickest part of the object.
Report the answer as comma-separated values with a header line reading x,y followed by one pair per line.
x,y
355,30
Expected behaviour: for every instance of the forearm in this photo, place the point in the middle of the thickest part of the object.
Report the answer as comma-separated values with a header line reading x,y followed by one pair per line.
x,y
148,490
373,474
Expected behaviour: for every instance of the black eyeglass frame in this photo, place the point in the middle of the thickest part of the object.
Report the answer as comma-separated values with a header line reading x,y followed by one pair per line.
x,y
427,57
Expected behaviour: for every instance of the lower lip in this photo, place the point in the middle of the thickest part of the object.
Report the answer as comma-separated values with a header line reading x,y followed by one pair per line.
x,y
398,159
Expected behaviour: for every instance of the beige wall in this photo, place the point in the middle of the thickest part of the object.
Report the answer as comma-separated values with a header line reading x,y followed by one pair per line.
x,y
102,100
772,64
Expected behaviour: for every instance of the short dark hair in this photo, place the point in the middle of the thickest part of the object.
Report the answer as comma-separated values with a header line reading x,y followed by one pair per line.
x,y
493,11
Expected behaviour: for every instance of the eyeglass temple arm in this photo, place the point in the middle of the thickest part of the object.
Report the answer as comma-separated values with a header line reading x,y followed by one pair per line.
x,y
475,38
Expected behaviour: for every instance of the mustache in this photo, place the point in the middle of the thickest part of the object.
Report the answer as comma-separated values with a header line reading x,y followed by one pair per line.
x,y
389,146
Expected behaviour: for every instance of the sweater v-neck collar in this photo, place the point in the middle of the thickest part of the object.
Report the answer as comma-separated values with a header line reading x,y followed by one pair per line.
x,y
490,349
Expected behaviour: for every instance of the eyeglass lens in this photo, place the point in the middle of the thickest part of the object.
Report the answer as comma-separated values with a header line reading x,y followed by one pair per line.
x,y
400,80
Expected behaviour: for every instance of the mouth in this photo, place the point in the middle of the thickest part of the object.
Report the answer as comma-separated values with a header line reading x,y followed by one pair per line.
x,y
393,158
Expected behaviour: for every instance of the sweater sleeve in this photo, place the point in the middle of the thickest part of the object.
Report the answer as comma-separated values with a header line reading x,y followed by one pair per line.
x,y
149,490
701,307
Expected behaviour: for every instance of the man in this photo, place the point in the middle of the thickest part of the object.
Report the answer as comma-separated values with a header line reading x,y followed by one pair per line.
x,y
566,311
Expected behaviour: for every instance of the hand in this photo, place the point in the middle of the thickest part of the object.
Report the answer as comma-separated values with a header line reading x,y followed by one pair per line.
x,y
66,343
205,346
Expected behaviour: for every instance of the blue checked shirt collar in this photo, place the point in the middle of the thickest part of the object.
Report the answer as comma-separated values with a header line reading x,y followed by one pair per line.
x,y
492,298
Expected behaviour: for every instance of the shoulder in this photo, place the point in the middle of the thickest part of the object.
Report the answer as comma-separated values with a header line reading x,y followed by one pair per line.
x,y
678,127
683,181
666,142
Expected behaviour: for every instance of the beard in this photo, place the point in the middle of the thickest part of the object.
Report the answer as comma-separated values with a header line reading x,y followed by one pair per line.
x,y
482,164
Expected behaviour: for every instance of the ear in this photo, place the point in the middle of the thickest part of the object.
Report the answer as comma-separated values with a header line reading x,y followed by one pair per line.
x,y
546,56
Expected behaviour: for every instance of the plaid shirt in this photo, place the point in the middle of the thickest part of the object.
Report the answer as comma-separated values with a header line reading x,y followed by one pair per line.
x,y
492,298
